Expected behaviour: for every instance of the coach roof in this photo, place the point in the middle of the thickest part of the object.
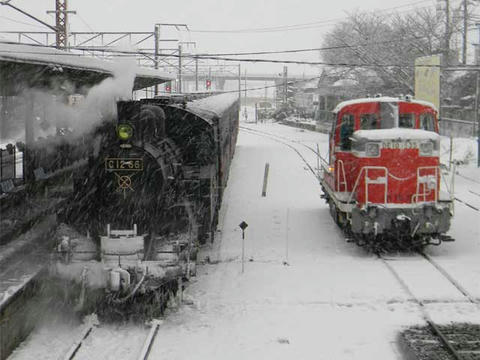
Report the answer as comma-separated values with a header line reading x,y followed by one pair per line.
x,y
383,99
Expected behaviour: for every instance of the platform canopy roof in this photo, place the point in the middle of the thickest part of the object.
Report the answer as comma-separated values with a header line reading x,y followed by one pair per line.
x,y
23,66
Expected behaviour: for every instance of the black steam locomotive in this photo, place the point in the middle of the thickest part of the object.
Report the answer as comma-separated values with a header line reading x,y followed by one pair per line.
x,y
148,195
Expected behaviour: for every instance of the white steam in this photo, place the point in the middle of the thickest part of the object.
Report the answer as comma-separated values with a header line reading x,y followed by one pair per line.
x,y
53,111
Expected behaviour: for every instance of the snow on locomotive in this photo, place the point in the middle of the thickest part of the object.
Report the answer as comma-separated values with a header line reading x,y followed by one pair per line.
x,y
383,179
147,198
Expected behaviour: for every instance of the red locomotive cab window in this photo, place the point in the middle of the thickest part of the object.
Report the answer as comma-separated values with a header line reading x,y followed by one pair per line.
x,y
406,121
346,130
427,122
369,122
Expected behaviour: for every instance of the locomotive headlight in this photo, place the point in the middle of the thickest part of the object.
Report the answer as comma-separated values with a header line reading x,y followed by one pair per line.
x,y
372,149
426,148
124,132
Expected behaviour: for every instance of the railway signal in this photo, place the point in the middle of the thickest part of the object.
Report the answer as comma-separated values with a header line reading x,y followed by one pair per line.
x,y
208,84
168,88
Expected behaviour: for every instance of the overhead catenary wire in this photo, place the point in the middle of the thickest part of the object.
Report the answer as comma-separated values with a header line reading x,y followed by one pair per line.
x,y
302,26
124,53
325,48
272,61
20,22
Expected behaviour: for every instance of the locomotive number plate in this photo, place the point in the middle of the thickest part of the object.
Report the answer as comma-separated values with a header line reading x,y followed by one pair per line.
x,y
124,164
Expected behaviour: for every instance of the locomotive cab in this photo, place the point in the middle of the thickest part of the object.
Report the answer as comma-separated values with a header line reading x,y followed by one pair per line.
x,y
383,178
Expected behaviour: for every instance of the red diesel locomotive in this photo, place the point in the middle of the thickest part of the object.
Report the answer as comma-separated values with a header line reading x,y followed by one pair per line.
x,y
382,182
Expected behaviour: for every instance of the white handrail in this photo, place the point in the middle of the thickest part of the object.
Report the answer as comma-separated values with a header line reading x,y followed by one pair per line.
x,y
341,168
366,168
426,190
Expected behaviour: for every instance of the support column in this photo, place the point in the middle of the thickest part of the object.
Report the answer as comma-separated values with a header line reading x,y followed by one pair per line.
x,y
179,69
156,36
196,74
29,138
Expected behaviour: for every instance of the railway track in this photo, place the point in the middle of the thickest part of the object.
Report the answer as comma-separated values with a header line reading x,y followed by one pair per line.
x,y
89,331
453,347
444,338
147,346
274,136
474,193
467,204
280,139
85,333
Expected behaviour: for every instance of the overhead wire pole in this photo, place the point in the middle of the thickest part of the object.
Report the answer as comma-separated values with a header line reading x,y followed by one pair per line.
x,y
465,30
158,40
239,83
477,118
180,61
447,30
196,74
179,89
156,35
61,21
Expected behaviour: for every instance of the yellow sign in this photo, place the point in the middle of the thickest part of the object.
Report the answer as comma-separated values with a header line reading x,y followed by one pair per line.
x,y
124,164
427,79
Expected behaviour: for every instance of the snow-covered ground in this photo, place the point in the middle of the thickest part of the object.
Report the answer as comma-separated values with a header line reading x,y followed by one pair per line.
x,y
306,293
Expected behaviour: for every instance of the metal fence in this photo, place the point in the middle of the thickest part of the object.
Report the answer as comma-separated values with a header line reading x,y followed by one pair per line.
x,y
457,128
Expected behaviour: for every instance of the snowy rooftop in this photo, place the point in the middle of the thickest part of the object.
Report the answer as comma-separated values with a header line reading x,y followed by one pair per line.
x,y
78,68
381,99
213,105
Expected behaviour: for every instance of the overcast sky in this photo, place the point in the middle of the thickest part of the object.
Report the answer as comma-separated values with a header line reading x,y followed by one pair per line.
x,y
141,15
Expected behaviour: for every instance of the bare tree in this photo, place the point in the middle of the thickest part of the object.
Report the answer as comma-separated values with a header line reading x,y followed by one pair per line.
x,y
383,47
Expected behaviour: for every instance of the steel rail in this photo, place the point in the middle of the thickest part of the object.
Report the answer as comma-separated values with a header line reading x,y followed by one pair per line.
x,y
474,193
147,346
455,283
425,314
72,352
467,204
259,133
285,138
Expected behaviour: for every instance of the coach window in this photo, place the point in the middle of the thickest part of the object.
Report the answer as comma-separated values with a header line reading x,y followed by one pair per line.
x,y
369,122
427,122
346,130
406,121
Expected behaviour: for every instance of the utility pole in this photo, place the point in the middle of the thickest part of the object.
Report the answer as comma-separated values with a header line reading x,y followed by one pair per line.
x,y
156,37
239,84
477,118
179,68
465,30
210,77
285,87
61,22
245,85
196,74
447,30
